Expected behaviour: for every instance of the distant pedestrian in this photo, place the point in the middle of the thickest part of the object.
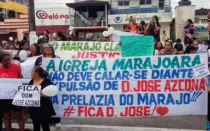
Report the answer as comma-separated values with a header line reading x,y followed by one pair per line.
x,y
189,32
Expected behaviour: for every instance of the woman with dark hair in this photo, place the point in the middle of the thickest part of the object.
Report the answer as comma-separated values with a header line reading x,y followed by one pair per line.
x,y
190,50
24,45
189,32
60,36
153,28
35,50
48,52
125,28
17,43
142,27
159,46
41,115
12,71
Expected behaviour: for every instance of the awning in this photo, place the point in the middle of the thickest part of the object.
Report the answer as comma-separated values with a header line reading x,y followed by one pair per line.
x,y
89,29
88,3
51,29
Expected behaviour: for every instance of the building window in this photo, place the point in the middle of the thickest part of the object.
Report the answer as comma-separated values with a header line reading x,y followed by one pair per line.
x,y
2,14
11,14
123,3
161,4
196,20
145,2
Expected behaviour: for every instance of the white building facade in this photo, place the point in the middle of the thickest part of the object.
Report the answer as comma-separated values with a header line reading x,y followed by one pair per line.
x,y
201,23
121,10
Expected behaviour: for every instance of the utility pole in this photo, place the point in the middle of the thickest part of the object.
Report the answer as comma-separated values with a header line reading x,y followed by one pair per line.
x,y
32,24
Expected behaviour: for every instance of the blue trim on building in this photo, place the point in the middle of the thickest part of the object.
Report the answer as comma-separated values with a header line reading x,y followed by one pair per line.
x,y
137,10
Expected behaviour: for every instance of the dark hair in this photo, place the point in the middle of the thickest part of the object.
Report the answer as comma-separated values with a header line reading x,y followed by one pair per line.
x,y
41,72
156,18
38,49
190,21
41,41
61,35
47,31
22,43
189,49
160,44
143,23
47,38
178,40
3,54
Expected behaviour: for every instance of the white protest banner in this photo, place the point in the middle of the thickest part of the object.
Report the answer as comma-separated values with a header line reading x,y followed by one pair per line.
x,y
202,48
27,66
8,87
201,71
86,49
28,96
76,50
128,87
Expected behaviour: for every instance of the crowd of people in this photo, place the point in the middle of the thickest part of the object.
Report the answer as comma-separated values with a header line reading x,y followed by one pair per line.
x,y
42,116
166,46
10,68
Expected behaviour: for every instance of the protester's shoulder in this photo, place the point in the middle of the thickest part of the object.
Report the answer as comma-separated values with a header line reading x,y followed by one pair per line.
x,y
39,58
31,82
14,65
38,61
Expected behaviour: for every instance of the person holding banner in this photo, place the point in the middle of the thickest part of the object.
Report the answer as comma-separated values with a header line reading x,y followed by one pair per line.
x,y
41,115
35,50
159,46
10,70
24,45
190,50
48,52
169,50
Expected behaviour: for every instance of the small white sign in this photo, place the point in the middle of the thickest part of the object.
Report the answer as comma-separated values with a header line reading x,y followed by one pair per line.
x,y
201,71
202,49
28,96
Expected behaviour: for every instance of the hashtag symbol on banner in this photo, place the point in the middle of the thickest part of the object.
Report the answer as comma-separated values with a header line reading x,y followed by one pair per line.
x,y
68,111
195,96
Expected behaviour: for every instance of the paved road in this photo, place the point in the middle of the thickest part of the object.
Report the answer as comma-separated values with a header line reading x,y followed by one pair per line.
x,y
174,122
105,128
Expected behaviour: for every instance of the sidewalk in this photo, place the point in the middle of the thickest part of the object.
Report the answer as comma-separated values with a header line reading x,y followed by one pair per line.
x,y
104,128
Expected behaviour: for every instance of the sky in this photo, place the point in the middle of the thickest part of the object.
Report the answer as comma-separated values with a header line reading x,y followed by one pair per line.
x,y
199,3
